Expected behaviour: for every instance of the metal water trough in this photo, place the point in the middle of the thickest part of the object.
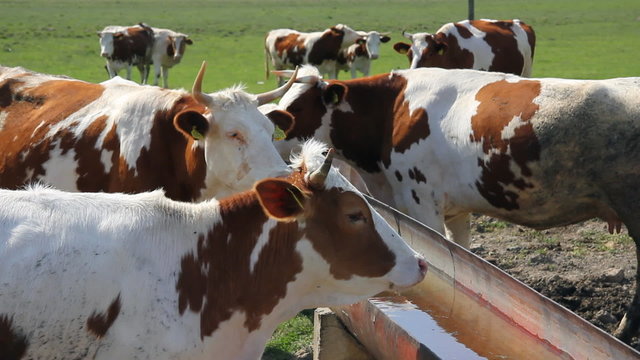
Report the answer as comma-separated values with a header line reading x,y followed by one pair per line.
x,y
467,308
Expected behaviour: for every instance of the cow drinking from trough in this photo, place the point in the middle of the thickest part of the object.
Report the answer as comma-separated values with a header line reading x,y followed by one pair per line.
x,y
287,48
491,45
439,144
113,276
124,47
121,137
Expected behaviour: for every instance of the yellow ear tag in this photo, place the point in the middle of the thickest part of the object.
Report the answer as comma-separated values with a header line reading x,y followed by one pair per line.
x,y
440,51
278,134
196,134
296,198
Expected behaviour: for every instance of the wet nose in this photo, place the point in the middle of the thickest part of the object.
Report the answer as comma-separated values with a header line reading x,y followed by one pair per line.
x,y
422,265
104,54
374,56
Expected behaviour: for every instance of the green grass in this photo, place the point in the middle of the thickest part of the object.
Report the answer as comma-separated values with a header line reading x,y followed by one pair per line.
x,y
575,39
290,337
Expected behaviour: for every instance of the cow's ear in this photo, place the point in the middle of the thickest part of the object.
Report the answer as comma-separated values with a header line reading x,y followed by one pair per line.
x,y
361,41
401,48
333,94
280,199
384,38
191,124
282,119
188,41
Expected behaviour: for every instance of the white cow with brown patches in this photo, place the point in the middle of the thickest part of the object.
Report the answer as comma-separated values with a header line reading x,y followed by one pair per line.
x,y
121,137
125,46
113,276
168,49
491,45
288,48
441,144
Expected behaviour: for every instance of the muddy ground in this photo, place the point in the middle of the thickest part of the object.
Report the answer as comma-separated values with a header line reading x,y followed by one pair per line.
x,y
582,267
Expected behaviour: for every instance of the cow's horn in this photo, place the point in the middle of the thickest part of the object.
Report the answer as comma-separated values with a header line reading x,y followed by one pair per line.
x,y
269,96
407,34
318,177
196,90
386,33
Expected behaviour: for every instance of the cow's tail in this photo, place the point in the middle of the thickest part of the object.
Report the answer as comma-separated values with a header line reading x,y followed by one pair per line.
x,y
267,58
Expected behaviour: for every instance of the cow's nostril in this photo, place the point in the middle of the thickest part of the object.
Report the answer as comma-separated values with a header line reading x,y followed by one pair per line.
x,y
423,266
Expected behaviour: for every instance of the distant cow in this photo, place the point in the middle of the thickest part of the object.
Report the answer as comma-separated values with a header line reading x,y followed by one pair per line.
x,y
286,48
122,137
441,144
168,50
113,276
124,47
358,57
492,45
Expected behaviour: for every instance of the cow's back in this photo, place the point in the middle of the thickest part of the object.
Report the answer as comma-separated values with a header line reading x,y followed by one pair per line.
x,y
79,136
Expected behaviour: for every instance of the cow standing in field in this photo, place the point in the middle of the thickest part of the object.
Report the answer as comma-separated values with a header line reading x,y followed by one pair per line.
x,y
491,45
287,48
440,144
168,50
358,56
121,137
124,47
113,276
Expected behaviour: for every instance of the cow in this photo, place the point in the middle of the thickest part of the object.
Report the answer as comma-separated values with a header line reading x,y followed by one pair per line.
x,y
358,56
124,47
168,50
118,136
115,276
440,144
287,48
491,45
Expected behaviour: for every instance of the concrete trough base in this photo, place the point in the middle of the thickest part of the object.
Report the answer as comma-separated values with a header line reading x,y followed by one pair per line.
x,y
479,312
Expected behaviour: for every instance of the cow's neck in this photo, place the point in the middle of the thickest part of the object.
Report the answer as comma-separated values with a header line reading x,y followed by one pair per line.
x,y
251,257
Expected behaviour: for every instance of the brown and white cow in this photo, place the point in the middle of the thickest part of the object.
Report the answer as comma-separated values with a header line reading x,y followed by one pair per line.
x,y
492,45
287,48
357,57
439,144
118,136
168,50
125,46
114,276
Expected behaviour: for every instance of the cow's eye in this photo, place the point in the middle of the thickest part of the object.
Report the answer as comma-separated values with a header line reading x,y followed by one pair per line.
x,y
237,136
356,217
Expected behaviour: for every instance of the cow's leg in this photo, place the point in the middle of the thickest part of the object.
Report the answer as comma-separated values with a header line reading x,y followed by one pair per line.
x,y
144,73
630,323
165,76
112,72
354,73
156,70
128,72
459,229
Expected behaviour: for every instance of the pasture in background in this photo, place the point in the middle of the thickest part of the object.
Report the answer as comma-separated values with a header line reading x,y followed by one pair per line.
x,y
587,39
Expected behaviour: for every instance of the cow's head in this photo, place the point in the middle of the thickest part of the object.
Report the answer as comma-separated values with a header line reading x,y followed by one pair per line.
x,y
424,49
350,251
177,45
106,42
309,99
236,137
372,40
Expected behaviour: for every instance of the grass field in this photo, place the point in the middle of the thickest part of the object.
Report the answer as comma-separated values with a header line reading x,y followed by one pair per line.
x,y
575,38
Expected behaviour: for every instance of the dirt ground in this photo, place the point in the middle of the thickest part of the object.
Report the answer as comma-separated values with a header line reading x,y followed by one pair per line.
x,y
581,267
